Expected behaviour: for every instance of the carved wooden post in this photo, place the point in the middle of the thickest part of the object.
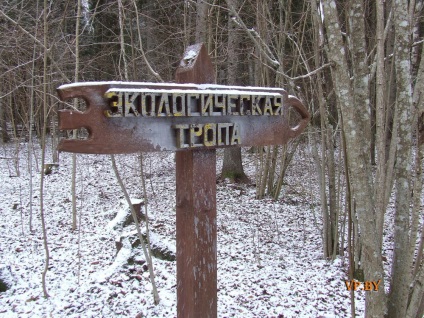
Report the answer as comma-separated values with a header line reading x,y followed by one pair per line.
x,y
196,209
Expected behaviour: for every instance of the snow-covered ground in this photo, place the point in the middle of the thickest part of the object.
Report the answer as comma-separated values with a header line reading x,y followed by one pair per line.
x,y
270,260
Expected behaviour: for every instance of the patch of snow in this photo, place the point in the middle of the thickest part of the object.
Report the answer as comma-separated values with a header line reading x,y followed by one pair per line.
x,y
120,260
120,216
132,86
269,252
191,54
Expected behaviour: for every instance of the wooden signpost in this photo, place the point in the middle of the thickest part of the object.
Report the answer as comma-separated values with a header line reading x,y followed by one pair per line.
x,y
192,117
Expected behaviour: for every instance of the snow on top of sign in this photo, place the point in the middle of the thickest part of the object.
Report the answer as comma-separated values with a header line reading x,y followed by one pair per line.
x,y
99,83
226,87
170,85
191,54
193,91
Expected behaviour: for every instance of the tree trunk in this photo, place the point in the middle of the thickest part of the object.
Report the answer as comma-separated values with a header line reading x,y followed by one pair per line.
x,y
75,132
3,126
359,163
232,167
43,156
401,271
380,113
202,7
416,303
328,202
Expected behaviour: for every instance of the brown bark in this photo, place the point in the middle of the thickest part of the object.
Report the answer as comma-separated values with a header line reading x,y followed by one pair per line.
x,y
232,167
3,125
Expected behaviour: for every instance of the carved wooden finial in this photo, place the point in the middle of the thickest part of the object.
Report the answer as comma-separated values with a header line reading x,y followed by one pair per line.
x,y
196,66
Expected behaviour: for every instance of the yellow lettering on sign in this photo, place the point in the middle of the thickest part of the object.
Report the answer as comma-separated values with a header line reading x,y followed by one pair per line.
x,y
219,105
278,105
178,105
268,106
181,135
195,131
235,135
116,104
223,134
206,104
233,105
163,104
148,104
245,102
209,131
207,135
256,105
130,107
192,105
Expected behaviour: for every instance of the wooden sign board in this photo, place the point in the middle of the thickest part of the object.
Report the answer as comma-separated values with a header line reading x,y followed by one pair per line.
x,y
197,118
132,117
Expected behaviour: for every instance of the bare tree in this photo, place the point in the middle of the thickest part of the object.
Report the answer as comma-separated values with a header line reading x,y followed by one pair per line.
x,y
357,65
43,152
402,257
75,132
232,166
359,163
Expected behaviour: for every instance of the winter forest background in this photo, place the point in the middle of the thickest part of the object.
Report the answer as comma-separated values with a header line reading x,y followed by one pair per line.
x,y
353,180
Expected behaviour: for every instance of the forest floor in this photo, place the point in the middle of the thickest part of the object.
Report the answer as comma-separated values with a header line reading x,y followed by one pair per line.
x,y
270,259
